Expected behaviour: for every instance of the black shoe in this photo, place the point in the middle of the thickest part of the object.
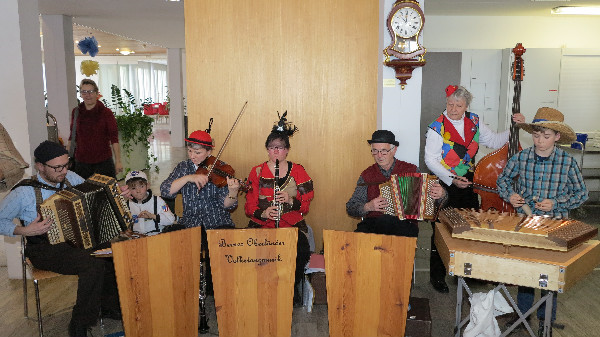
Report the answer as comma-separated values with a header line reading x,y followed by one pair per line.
x,y
76,330
297,300
112,314
439,285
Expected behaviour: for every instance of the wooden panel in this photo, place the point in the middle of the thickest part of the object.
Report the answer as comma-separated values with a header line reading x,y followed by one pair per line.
x,y
158,279
317,59
368,282
516,265
253,278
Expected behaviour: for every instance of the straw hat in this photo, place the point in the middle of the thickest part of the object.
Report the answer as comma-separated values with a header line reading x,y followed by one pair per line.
x,y
551,119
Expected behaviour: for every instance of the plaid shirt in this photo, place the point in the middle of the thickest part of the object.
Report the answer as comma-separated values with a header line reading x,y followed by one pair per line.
x,y
201,207
557,178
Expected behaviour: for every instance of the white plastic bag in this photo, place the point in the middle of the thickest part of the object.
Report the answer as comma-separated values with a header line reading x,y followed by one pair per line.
x,y
484,309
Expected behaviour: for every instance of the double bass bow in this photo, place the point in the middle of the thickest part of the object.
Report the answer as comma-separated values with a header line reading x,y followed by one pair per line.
x,y
216,170
489,167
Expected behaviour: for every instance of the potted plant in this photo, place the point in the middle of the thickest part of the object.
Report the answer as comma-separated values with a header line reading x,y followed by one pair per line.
x,y
135,130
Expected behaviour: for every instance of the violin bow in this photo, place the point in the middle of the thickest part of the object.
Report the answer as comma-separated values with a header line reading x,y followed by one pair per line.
x,y
226,139
478,186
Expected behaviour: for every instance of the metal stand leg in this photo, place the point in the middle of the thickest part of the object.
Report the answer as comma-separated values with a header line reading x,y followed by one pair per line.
x,y
548,317
459,324
39,308
25,292
459,299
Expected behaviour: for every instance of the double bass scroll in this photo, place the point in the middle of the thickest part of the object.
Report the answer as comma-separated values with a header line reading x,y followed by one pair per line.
x,y
489,167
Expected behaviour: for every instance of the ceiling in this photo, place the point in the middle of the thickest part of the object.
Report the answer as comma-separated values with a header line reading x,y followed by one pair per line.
x,y
150,26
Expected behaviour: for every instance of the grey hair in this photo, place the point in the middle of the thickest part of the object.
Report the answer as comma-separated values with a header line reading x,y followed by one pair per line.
x,y
198,146
462,93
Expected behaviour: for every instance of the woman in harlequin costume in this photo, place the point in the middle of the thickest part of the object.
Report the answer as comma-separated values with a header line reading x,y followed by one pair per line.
x,y
453,140
296,193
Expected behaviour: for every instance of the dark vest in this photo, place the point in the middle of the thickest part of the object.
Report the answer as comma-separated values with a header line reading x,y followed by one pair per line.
x,y
373,177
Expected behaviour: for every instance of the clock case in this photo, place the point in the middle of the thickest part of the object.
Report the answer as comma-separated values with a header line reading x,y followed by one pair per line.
x,y
394,49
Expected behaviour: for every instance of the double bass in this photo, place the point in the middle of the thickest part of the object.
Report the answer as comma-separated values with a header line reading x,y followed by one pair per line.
x,y
489,167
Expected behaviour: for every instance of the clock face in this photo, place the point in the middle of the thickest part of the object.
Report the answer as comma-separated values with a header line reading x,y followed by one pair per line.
x,y
406,22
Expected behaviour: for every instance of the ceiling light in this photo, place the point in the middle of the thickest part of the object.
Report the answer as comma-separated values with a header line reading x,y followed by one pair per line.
x,y
569,10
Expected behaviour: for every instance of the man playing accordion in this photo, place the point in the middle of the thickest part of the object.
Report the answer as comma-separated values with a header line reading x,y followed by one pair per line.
x,y
97,287
366,201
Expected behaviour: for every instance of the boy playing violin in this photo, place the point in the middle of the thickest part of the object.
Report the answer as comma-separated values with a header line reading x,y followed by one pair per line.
x,y
204,203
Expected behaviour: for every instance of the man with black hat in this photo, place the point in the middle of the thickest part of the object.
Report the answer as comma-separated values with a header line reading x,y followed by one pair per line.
x,y
95,288
366,201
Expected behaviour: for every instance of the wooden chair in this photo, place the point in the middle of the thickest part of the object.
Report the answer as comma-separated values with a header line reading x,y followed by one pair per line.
x,y
36,275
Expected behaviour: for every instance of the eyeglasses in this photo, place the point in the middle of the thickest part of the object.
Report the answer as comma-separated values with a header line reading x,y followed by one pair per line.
x,y
87,92
382,151
273,148
59,168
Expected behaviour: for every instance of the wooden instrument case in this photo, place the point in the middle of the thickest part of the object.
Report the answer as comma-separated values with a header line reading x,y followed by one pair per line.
x,y
531,267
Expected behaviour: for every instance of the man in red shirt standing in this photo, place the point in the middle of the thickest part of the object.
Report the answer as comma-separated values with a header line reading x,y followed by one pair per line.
x,y
94,135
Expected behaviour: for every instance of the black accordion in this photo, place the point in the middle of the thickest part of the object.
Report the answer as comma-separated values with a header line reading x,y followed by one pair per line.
x,y
89,214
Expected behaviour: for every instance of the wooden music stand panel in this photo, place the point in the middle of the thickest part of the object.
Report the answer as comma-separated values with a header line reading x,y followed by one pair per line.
x,y
158,279
522,266
253,281
368,282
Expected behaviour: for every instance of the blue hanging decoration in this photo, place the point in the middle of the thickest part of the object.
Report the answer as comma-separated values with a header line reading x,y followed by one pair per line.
x,y
89,44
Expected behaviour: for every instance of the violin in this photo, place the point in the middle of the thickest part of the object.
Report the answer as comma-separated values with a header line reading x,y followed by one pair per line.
x,y
218,172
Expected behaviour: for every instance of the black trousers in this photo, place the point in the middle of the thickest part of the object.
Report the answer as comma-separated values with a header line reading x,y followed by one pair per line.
x,y
388,225
96,287
457,198
302,256
106,168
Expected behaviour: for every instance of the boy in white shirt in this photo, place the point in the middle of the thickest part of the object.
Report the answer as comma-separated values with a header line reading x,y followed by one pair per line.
x,y
150,213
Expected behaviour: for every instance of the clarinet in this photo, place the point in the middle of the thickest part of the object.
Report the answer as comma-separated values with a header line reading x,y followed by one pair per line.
x,y
275,190
203,324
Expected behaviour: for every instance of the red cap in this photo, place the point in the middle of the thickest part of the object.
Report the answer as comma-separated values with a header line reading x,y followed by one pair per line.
x,y
450,90
200,137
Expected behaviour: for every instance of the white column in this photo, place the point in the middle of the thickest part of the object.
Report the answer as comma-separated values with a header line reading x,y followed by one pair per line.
x,y
21,90
59,61
400,109
175,79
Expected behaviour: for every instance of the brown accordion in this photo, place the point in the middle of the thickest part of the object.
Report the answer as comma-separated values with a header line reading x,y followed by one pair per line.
x,y
408,197
87,215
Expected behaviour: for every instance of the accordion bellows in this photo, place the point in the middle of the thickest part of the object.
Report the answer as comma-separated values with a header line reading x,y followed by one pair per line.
x,y
408,197
87,215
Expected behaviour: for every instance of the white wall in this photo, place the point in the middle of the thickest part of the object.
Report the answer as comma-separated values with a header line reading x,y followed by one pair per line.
x,y
120,59
499,32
